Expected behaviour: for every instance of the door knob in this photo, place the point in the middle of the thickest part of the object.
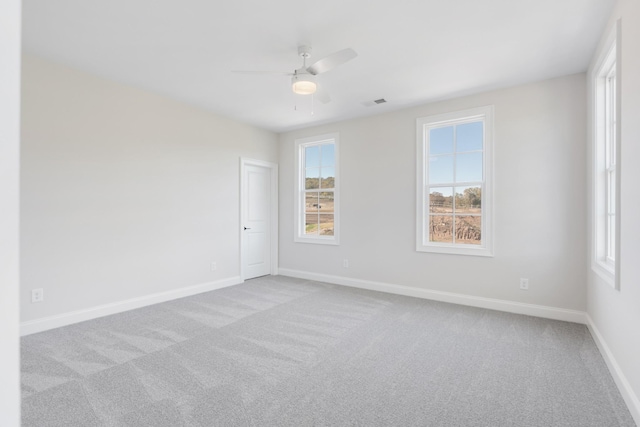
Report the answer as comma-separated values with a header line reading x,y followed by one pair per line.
x,y
247,228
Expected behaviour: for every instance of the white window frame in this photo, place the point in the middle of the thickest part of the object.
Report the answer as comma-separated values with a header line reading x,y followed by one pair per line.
x,y
605,259
424,124
299,221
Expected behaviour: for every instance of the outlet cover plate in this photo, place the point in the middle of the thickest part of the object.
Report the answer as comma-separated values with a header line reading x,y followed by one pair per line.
x,y
37,295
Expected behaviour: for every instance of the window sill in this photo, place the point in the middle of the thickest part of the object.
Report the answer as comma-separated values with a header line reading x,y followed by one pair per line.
x,y
317,240
605,273
455,250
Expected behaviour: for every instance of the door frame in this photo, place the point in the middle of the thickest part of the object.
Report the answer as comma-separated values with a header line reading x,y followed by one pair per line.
x,y
10,21
273,227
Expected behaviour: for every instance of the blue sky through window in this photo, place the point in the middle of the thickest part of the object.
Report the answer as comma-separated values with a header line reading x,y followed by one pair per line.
x,y
441,169
441,140
469,137
467,141
312,157
328,155
469,167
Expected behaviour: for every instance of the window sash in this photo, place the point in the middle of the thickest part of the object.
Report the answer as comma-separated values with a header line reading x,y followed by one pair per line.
x,y
454,212
452,184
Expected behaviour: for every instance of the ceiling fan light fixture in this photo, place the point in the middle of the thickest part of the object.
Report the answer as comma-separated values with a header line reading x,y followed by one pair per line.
x,y
303,84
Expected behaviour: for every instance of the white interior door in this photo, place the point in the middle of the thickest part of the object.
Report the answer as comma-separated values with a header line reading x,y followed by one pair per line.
x,y
256,218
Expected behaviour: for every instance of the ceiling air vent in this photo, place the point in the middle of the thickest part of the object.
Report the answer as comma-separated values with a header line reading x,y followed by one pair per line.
x,y
374,102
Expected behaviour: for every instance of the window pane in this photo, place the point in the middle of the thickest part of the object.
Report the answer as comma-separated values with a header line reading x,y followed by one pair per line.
x,y
441,228
469,137
468,200
325,203
440,169
441,140
312,178
311,223
608,155
328,177
312,156
613,144
469,167
441,200
326,225
328,155
469,230
611,236
611,188
311,202
613,119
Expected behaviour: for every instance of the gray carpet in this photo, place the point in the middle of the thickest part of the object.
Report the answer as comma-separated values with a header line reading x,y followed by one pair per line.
x,y
278,351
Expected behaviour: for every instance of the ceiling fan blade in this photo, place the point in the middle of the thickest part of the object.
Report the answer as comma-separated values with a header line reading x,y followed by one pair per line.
x,y
282,73
322,96
329,62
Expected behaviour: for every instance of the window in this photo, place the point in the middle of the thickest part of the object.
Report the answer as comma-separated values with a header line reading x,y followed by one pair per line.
x,y
454,182
317,190
606,164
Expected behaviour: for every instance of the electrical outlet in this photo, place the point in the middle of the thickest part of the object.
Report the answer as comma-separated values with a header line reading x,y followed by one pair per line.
x,y
214,266
345,263
37,295
524,284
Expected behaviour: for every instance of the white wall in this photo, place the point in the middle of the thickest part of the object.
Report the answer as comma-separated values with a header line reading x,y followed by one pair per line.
x,y
9,203
539,200
124,193
615,314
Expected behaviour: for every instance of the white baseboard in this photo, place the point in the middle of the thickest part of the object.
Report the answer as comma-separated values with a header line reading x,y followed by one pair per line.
x,y
52,322
630,398
469,300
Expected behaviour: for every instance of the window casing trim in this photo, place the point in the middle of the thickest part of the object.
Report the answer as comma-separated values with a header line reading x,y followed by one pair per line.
x,y
299,200
458,117
606,67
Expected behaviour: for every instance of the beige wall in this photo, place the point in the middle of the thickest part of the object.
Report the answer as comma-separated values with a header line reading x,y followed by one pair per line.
x,y
124,193
616,314
539,200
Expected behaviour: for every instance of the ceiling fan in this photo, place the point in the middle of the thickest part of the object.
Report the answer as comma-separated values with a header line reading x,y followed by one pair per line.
x,y
303,80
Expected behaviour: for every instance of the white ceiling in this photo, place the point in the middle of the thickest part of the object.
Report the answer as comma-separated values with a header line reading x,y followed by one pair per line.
x,y
409,51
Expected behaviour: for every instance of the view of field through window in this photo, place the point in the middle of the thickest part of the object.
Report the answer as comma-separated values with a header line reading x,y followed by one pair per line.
x,y
454,183
319,172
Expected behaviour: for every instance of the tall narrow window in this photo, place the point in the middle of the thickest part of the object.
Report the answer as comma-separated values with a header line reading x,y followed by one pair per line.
x,y
610,163
454,177
317,190
606,167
